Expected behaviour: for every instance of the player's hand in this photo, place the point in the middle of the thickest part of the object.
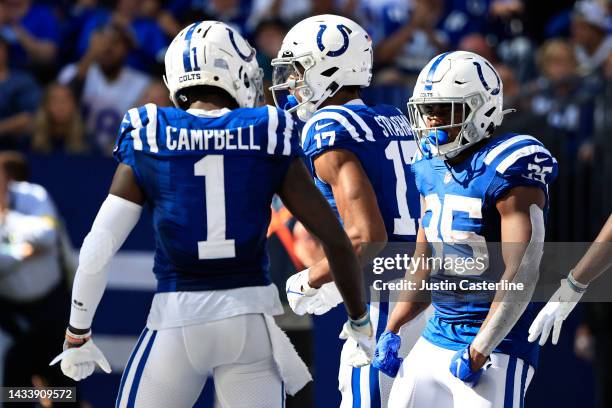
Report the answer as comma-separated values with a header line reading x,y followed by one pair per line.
x,y
386,358
461,368
299,293
360,342
560,305
325,298
80,357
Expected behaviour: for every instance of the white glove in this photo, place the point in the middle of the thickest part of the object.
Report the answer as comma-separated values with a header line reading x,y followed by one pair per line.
x,y
299,293
359,346
326,298
79,362
554,313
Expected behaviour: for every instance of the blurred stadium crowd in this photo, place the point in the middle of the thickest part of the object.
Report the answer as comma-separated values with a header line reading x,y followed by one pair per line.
x,y
70,69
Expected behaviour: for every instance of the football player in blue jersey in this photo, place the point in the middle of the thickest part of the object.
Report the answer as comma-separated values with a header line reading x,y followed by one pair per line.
x,y
208,171
477,188
360,158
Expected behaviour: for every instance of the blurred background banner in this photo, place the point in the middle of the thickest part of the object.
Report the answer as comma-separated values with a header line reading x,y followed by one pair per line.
x,y
70,69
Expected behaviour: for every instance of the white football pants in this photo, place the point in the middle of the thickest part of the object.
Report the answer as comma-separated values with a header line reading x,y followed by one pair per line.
x,y
366,387
424,380
169,367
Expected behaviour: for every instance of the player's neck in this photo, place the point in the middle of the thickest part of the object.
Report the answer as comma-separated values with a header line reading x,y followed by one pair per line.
x,y
467,152
342,97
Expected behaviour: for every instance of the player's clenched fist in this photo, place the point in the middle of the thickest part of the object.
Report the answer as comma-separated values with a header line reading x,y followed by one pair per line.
x,y
386,357
461,367
80,356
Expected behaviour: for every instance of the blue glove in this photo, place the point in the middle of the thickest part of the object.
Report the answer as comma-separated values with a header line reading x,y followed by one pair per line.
x,y
460,367
385,355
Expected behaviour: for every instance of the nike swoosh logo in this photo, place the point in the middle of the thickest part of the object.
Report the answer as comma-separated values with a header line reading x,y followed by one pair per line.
x,y
295,293
319,127
539,159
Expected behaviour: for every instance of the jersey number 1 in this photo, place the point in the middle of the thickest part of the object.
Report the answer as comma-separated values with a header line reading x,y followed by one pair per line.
x,y
216,245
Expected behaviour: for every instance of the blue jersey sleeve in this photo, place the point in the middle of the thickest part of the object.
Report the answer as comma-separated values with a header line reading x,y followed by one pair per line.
x,y
288,130
135,124
530,165
328,131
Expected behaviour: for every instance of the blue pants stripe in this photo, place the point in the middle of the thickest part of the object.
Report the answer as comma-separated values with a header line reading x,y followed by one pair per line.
x,y
139,370
129,366
383,314
509,392
355,381
523,384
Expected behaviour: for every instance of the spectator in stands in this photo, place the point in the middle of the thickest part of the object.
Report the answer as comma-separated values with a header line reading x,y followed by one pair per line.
x,y
33,295
523,120
19,98
156,93
411,39
590,25
268,36
477,43
565,98
32,31
106,87
166,21
233,12
149,45
287,11
58,126
465,17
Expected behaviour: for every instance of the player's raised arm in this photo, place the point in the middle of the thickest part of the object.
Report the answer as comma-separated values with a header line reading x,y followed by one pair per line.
x,y
116,218
597,260
304,201
522,233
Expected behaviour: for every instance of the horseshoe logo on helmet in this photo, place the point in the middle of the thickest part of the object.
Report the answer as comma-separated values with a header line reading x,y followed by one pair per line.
x,y
494,91
344,30
247,58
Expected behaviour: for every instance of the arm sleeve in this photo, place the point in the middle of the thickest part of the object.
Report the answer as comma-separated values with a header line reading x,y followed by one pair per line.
x,y
114,222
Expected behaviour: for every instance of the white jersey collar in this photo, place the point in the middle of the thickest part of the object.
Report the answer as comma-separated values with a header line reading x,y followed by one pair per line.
x,y
356,101
215,113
